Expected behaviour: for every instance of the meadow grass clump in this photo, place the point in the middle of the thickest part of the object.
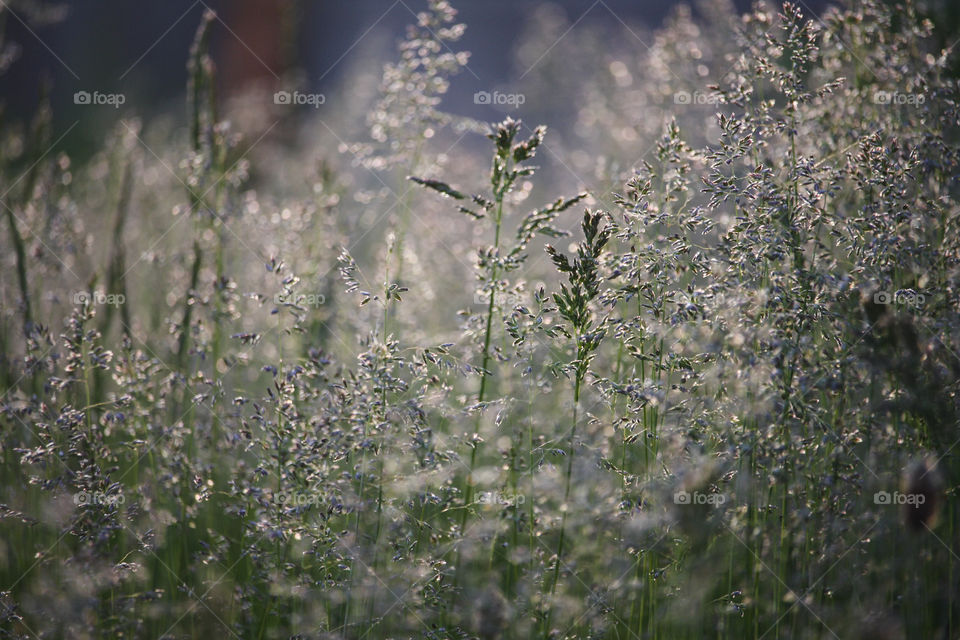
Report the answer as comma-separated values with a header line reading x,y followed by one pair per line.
x,y
724,405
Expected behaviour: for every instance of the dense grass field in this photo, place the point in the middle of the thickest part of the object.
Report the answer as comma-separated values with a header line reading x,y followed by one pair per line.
x,y
355,366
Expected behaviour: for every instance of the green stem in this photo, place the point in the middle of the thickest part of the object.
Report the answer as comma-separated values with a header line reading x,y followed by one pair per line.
x,y
468,492
569,474
21,271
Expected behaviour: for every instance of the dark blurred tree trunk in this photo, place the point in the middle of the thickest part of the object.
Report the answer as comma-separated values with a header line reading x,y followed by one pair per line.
x,y
262,46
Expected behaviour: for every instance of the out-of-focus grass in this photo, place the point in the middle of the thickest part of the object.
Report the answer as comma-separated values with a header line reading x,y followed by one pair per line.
x,y
338,405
